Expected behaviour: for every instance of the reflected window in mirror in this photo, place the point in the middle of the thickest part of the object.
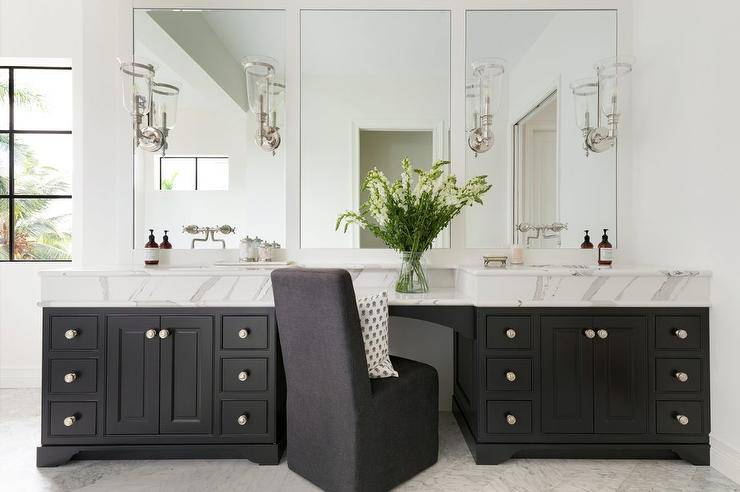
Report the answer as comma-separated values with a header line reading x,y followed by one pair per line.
x,y
212,149
542,180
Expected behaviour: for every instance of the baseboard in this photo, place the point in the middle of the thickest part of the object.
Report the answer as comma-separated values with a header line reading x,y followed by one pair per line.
x,y
725,459
20,377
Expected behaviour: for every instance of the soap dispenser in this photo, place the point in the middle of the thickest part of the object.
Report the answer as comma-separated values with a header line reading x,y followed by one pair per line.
x,y
165,244
587,244
605,250
151,250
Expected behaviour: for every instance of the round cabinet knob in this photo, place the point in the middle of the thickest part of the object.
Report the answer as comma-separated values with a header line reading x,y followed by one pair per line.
x,y
164,334
243,376
682,419
602,333
70,421
70,334
510,419
243,419
511,333
243,333
70,377
681,376
511,376
151,333
681,333
589,333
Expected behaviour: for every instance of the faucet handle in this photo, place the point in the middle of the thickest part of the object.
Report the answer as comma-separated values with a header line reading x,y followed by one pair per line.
x,y
191,229
226,229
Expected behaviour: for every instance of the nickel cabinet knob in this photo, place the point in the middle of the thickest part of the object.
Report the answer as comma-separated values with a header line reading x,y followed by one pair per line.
x,y
243,419
511,333
243,376
602,333
70,421
70,334
164,334
589,333
510,419
681,333
70,377
151,333
511,376
243,333
682,419
681,376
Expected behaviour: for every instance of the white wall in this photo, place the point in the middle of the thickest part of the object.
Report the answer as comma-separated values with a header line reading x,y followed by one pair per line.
x,y
686,175
33,30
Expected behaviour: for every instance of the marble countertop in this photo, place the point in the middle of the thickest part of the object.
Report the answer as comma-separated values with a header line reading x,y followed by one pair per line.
x,y
515,286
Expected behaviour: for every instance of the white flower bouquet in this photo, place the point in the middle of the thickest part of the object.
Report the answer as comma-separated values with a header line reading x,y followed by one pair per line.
x,y
408,214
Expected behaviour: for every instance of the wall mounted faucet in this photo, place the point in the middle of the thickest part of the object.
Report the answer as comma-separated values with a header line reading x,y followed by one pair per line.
x,y
541,231
209,234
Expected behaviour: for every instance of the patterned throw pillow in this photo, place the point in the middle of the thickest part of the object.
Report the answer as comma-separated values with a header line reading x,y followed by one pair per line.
x,y
373,312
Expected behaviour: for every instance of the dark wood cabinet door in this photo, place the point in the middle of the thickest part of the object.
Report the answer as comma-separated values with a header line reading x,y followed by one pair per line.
x,y
621,373
567,375
187,374
132,375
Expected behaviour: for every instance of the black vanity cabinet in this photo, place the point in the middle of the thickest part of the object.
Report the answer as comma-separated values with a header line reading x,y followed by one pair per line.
x,y
147,382
584,382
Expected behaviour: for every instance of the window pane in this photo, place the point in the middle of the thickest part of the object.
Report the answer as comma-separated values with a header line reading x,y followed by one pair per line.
x,y
4,114
178,173
43,164
4,163
43,228
213,173
4,229
42,99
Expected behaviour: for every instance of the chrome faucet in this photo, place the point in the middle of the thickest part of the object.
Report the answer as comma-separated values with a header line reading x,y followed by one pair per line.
x,y
541,231
209,234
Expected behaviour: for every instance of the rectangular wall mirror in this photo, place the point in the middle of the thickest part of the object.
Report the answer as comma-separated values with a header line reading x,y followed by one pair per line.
x,y
375,88
546,190
212,172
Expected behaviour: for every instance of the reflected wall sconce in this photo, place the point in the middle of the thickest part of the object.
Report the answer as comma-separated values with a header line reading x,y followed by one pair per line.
x,y
265,96
594,97
143,97
488,74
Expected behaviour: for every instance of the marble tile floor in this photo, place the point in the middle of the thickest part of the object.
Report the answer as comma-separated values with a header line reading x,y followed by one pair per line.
x,y
455,471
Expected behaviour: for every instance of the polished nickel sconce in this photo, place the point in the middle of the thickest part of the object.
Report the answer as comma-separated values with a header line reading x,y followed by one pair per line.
x,y
145,98
486,88
264,95
592,97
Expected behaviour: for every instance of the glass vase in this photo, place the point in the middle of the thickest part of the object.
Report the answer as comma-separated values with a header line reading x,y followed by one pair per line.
x,y
412,278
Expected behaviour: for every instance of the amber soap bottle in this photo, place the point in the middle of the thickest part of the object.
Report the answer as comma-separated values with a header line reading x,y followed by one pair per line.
x,y
165,244
587,244
605,250
151,250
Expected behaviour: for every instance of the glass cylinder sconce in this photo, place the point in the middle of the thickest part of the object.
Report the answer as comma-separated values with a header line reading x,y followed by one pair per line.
x,y
596,97
261,95
164,109
487,84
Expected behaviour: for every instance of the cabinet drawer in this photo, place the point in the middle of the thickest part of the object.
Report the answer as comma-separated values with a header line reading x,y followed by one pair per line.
x,y
73,375
668,413
244,332
678,375
81,414
244,374
74,332
509,417
508,374
508,332
244,417
669,331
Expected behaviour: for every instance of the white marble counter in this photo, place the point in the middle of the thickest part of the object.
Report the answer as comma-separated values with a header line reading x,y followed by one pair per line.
x,y
524,286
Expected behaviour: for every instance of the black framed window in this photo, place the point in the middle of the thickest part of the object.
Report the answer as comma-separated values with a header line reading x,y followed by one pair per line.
x,y
193,173
35,163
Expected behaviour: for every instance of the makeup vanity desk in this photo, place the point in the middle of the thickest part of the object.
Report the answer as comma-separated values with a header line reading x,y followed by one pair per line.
x,y
184,362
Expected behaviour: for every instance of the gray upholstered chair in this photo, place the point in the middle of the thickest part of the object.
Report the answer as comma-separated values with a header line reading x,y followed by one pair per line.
x,y
345,430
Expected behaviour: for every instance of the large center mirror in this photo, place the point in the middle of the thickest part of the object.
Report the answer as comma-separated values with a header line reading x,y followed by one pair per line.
x,y
221,165
375,88
525,69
